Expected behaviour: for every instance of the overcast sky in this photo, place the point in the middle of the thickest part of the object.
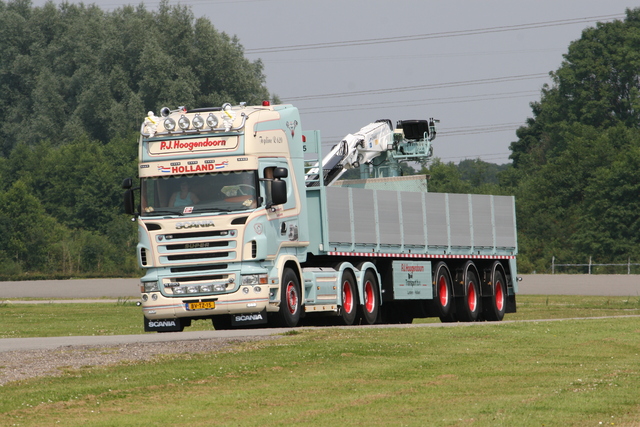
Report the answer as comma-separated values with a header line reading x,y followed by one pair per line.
x,y
475,65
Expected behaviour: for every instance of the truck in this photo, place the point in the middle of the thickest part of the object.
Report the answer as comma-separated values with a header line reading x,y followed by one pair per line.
x,y
241,220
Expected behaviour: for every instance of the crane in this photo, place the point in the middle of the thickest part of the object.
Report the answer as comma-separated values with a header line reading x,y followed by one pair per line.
x,y
377,148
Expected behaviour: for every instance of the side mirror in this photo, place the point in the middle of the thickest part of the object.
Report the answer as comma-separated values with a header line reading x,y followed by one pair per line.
x,y
129,199
129,202
280,173
278,192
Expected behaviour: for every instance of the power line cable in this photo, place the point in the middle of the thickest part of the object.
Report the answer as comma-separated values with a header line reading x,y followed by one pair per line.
x,y
483,157
479,131
417,102
295,60
446,34
414,88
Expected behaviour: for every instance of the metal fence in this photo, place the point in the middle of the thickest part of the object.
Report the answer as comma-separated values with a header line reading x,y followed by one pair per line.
x,y
594,266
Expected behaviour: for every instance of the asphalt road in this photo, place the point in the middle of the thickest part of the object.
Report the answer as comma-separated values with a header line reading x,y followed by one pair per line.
x,y
531,284
52,343
621,285
65,289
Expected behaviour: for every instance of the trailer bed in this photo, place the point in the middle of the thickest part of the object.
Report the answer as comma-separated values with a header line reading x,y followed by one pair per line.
x,y
419,224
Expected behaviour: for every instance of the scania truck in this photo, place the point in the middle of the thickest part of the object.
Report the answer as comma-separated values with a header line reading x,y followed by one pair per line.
x,y
241,220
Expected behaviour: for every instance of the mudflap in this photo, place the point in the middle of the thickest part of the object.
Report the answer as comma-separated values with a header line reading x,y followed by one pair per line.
x,y
511,304
249,319
165,325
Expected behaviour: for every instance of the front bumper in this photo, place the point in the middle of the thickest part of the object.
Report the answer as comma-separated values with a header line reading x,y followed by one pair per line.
x,y
246,300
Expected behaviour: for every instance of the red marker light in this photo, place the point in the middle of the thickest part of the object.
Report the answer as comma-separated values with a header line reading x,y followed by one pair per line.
x,y
265,103
304,138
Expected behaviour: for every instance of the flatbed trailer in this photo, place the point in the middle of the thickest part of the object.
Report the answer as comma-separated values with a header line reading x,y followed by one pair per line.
x,y
262,240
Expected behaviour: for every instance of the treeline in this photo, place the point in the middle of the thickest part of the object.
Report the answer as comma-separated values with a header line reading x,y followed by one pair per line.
x,y
575,167
575,163
75,83
468,176
60,213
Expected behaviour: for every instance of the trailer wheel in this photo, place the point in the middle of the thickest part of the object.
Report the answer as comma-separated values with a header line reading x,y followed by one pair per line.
x,y
371,304
468,305
349,299
497,303
289,313
442,296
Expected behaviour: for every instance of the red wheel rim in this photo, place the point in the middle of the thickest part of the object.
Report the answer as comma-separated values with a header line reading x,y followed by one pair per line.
x,y
369,297
347,296
472,297
499,296
443,291
292,298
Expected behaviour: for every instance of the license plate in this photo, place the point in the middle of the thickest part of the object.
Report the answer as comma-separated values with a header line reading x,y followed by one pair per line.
x,y
207,305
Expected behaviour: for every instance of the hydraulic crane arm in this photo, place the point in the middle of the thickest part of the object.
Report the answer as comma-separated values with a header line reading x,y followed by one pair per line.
x,y
411,141
354,149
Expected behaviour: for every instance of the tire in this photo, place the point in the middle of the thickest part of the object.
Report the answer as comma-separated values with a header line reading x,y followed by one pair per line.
x,y
290,297
349,307
371,299
468,305
449,318
442,292
496,304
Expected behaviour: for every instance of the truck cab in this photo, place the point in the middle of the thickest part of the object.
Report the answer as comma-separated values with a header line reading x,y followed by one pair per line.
x,y
218,206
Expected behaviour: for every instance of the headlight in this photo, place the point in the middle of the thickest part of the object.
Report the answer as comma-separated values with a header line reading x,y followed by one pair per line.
x,y
170,125
150,286
254,279
184,123
198,122
212,121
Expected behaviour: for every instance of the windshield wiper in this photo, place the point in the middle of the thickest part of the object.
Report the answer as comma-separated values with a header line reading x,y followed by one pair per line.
x,y
212,209
163,212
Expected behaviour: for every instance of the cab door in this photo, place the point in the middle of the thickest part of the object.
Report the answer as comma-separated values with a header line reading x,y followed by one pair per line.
x,y
282,218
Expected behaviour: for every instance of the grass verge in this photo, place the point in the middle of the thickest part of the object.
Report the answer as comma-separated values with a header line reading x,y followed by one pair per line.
x,y
574,372
124,317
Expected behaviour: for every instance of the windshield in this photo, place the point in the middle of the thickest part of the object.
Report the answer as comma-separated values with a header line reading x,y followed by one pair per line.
x,y
212,192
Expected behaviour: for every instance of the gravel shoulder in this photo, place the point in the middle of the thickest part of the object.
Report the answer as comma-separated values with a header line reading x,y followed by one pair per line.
x,y
25,364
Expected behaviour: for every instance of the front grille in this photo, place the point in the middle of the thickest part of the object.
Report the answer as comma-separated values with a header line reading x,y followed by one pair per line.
x,y
197,234
216,277
203,246
197,256
199,268
199,245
